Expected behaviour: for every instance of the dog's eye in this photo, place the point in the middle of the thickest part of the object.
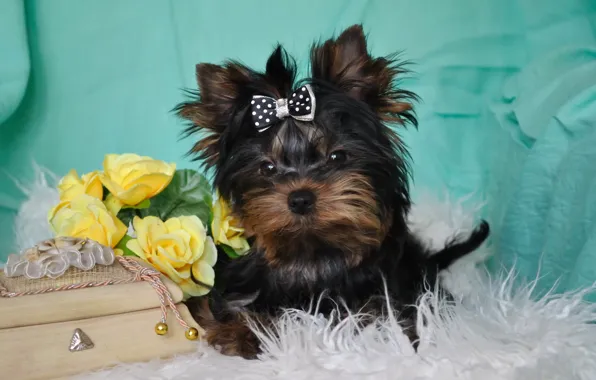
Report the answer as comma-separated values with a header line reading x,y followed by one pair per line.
x,y
338,156
268,169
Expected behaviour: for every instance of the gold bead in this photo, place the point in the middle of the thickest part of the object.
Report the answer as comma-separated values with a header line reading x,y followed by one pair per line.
x,y
192,334
161,328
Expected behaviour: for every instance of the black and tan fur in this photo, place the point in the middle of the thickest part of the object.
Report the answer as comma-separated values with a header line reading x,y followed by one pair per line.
x,y
351,163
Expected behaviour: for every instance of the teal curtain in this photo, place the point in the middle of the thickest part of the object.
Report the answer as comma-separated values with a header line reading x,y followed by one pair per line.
x,y
508,92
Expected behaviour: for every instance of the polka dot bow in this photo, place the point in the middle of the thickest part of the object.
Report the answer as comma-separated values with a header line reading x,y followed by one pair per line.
x,y
266,111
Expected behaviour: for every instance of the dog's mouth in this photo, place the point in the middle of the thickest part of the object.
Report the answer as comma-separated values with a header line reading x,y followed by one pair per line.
x,y
309,239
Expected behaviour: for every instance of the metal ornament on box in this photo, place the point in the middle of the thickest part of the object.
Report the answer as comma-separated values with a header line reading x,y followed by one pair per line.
x,y
53,257
80,341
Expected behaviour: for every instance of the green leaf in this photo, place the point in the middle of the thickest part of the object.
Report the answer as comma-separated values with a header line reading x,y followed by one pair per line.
x,y
189,193
229,251
122,245
145,204
126,216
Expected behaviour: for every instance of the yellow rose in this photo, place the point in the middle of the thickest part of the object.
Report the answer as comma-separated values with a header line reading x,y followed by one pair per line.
x,y
87,217
226,229
179,248
71,186
131,178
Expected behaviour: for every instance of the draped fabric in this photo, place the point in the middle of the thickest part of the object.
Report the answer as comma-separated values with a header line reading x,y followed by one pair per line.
x,y
508,91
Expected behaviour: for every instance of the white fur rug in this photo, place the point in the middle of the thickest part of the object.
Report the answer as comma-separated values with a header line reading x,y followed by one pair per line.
x,y
494,331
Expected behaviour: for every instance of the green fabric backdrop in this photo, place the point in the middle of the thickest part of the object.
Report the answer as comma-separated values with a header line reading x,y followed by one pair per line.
x,y
508,89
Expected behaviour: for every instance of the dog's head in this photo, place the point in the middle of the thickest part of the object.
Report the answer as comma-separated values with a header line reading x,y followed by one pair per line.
x,y
305,188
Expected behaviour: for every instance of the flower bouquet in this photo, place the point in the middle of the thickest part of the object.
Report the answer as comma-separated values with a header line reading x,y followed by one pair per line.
x,y
147,208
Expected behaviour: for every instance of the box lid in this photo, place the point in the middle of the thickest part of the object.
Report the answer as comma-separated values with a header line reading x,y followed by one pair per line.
x,y
78,294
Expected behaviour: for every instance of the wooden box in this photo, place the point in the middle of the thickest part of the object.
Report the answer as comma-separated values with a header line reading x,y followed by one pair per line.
x,y
117,312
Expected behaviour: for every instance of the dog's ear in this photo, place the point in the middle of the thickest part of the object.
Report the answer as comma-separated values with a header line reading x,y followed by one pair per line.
x,y
211,112
226,90
345,63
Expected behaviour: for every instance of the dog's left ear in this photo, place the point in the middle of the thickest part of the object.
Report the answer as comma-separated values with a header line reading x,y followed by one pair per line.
x,y
220,91
345,63
223,91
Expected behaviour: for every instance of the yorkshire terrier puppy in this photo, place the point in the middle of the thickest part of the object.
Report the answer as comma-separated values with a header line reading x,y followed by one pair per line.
x,y
320,183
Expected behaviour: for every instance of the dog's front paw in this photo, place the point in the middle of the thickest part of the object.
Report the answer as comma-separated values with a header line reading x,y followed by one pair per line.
x,y
233,338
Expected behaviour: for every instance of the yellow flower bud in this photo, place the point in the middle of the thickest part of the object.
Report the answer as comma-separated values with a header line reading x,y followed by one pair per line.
x,y
179,248
87,217
132,178
71,186
226,229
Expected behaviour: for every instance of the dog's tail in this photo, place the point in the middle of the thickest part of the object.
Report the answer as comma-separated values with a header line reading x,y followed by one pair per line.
x,y
458,249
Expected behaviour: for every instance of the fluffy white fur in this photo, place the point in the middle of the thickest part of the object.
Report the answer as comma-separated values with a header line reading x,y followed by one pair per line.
x,y
496,330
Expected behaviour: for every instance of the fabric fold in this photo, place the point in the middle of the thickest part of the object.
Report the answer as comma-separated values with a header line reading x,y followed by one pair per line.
x,y
15,64
549,222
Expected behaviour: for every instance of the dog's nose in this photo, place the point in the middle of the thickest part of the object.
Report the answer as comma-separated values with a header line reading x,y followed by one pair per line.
x,y
301,201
